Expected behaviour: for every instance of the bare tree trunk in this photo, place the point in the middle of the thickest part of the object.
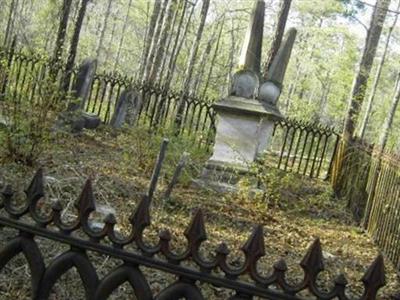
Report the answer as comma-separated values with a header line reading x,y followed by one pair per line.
x,y
292,88
149,36
111,42
121,41
390,117
9,28
153,45
231,60
326,89
362,76
377,78
190,65
213,60
176,51
202,64
74,45
103,30
61,33
162,40
279,32
166,55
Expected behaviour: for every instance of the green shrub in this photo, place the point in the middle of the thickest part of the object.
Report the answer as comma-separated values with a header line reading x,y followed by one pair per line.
x,y
27,119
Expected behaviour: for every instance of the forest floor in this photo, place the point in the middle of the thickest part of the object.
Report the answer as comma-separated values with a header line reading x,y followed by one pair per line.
x,y
294,212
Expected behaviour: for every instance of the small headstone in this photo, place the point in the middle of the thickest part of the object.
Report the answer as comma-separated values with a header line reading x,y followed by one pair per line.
x,y
126,109
75,117
92,121
83,83
77,120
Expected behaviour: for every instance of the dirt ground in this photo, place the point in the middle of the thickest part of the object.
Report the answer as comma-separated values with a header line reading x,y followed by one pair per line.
x,y
294,212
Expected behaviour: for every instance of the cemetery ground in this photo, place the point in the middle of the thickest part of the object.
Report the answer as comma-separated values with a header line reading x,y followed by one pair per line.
x,y
294,210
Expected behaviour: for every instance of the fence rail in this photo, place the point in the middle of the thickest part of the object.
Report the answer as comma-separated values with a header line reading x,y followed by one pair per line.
x,y
304,148
188,265
298,147
370,181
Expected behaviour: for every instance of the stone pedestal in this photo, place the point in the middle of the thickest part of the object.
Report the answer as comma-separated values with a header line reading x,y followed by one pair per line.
x,y
244,129
245,119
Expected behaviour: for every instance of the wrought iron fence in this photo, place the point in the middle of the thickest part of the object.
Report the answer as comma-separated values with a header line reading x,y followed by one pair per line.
x,y
188,265
370,182
299,147
384,208
304,148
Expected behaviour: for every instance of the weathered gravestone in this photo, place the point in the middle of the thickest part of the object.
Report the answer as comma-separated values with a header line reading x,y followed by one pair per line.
x,y
127,108
246,117
75,117
82,84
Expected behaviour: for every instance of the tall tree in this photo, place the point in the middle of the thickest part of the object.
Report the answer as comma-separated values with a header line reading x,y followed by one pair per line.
x,y
74,45
10,21
161,47
177,47
202,62
103,29
362,76
152,49
213,59
191,62
378,76
279,31
171,36
149,37
121,41
61,33
387,125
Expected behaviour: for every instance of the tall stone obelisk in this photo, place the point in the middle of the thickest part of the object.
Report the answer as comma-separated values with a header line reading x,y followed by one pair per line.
x,y
246,117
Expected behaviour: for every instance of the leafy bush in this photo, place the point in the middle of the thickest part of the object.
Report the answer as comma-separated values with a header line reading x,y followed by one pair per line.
x,y
27,118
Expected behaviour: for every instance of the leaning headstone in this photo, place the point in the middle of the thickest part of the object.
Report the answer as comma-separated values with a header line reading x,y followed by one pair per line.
x,y
126,109
82,84
75,118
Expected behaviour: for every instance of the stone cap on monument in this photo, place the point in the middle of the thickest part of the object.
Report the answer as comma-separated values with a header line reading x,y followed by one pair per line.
x,y
250,107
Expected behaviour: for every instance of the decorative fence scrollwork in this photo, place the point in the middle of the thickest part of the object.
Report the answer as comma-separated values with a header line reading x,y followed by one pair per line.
x,y
84,238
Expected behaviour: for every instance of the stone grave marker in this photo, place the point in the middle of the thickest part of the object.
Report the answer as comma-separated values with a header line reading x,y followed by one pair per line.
x,y
246,117
127,108
75,117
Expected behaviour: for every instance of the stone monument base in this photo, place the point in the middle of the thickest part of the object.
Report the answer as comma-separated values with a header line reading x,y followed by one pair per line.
x,y
223,178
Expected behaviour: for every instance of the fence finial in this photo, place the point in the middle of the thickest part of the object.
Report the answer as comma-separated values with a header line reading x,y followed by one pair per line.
x,y
35,191
374,278
312,262
254,247
86,202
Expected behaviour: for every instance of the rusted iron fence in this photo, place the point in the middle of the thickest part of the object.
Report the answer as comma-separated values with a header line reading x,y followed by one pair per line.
x,y
297,146
370,181
193,271
304,148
